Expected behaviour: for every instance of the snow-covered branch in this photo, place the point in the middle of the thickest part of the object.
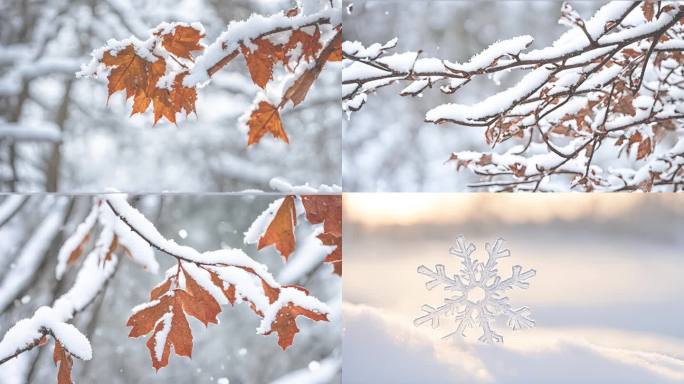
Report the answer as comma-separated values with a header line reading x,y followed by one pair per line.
x,y
615,80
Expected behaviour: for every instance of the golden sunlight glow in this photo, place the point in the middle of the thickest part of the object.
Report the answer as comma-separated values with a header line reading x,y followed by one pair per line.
x,y
412,208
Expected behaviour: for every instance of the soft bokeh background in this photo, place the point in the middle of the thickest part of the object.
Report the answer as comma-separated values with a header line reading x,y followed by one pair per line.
x,y
607,297
387,146
59,133
230,350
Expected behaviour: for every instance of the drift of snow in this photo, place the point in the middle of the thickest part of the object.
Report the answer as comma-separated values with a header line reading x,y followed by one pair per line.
x,y
482,292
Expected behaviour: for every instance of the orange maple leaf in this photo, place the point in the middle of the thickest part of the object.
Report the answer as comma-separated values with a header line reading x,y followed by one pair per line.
x,y
280,232
183,41
310,44
300,87
261,60
265,119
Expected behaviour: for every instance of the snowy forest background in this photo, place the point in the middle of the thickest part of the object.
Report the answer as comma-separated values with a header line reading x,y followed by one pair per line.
x,y
59,133
606,297
387,146
230,350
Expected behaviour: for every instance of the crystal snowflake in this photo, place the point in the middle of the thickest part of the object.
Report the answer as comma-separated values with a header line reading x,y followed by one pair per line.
x,y
479,292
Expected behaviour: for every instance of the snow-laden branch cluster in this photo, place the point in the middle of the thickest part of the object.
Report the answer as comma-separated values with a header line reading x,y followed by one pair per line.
x,y
166,70
198,285
613,82
26,334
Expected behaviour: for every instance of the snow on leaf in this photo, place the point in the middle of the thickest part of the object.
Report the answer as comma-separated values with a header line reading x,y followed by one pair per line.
x,y
172,329
229,291
334,258
133,74
197,302
310,44
480,292
144,319
166,317
285,324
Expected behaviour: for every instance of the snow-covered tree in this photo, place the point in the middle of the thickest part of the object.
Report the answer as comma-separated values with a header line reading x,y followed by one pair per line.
x,y
599,109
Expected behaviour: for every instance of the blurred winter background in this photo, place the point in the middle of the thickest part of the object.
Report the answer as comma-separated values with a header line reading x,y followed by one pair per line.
x,y
230,352
607,297
59,133
387,146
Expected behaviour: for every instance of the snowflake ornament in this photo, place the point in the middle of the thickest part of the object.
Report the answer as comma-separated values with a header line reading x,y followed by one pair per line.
x,y
479,292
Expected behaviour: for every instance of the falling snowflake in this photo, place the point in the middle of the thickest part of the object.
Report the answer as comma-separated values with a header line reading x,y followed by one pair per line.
x,y
480,292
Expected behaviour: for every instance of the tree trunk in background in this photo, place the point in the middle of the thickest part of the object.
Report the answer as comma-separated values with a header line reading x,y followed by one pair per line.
x,y
55,160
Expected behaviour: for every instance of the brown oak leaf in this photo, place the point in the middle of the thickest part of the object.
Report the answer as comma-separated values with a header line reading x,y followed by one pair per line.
x,y
172,329
326,209
285,324
334,258
62,357
78,251
644,148
228,292
199,303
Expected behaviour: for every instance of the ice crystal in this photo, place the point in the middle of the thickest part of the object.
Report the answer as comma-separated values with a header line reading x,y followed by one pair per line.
x,y
479,292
